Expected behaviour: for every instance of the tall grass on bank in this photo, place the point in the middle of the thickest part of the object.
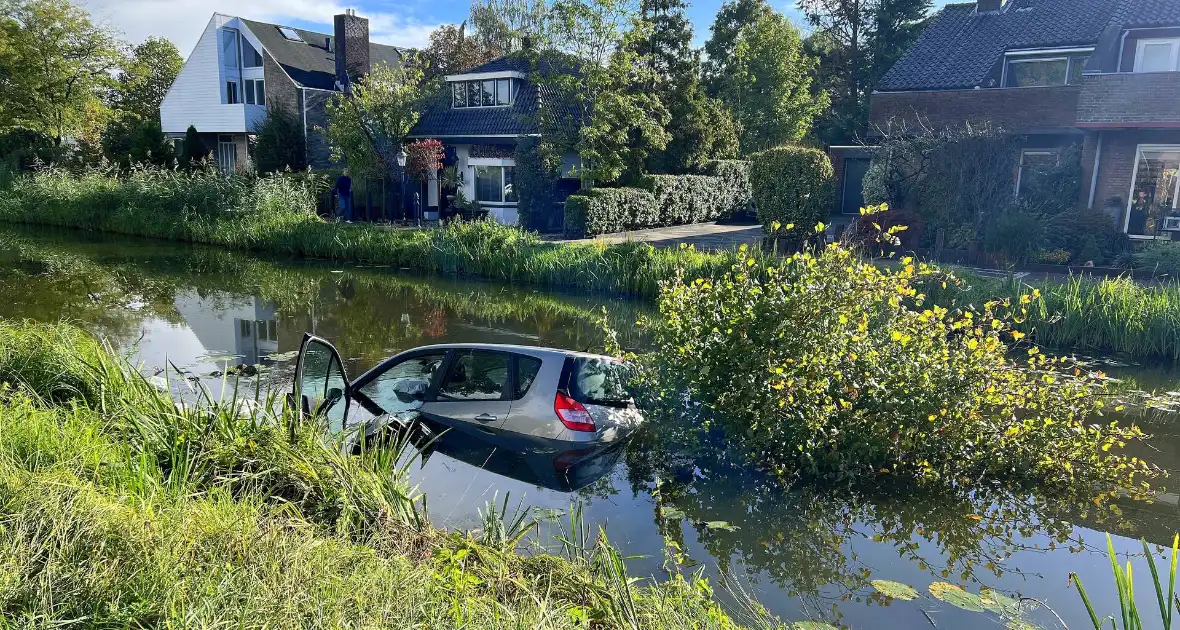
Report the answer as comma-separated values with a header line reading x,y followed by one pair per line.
x,y
276,214
1086,314
120,509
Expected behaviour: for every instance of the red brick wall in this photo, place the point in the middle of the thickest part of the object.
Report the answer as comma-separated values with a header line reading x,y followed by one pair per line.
x,y
1014,109
1130,98
1118,161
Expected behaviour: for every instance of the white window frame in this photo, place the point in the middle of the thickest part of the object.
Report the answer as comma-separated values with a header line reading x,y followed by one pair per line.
x,y
259,88
1020,167
227,154
501,163
513,88
242,44
1033,55
236,48
233,92
1174,42
1131,191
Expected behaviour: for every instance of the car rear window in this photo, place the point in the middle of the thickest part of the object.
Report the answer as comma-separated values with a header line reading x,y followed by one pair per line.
x,y
600,382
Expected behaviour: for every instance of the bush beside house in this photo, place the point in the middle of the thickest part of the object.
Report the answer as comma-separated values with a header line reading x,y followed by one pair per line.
x,y
792,185
605,210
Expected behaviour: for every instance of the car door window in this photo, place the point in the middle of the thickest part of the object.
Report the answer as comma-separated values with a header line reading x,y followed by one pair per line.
x,y
321,382
526,372
403,385
476,375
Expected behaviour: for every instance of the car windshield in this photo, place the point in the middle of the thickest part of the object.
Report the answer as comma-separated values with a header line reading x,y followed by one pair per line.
x,y
600,382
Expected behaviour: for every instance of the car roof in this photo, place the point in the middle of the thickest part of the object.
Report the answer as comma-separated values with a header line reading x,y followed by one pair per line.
x,y
507,347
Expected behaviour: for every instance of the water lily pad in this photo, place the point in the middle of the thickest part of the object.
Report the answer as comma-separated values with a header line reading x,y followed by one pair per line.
x,y
999,603
1020,624
719,525
814,625
671,513
895,590
956,596
282,356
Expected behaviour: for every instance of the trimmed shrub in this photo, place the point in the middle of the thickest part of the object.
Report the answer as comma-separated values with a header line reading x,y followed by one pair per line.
x,y
1088,235
685,199
792,185
735,176
605,210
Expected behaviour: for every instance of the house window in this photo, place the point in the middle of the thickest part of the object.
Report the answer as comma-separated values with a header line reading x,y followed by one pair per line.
x,y
1157,55
250,56
1035,165
490,93
231,93
1155,190
1022,70
495,184
255,91
229,48
289,34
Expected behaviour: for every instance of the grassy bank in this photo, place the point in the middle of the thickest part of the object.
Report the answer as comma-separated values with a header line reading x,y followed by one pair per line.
x,y
276,215
120,510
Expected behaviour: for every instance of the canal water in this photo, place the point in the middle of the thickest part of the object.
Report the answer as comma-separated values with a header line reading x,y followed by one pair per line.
x,y
804,552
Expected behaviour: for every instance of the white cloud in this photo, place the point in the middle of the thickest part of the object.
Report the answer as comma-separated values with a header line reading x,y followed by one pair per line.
x,y
182,21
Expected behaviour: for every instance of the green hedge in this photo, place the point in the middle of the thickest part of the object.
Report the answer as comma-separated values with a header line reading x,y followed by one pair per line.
x,y
735,176
605,210
683,199
792,185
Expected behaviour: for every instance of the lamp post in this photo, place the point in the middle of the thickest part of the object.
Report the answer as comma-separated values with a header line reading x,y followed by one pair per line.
x,y
401,167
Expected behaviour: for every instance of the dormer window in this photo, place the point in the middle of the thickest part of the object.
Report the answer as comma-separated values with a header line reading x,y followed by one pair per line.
x,y
484,93
1045,68
1157,55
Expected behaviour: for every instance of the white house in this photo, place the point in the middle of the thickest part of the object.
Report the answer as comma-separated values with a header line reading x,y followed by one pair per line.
x,y
240,68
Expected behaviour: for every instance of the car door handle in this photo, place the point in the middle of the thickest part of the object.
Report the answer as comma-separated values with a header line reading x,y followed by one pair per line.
x,y
486,417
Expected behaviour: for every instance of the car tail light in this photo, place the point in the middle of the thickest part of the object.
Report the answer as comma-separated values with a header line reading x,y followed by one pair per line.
x,y
572,414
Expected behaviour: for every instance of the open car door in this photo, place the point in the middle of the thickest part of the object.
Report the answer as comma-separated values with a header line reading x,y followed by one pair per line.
x,y
321,387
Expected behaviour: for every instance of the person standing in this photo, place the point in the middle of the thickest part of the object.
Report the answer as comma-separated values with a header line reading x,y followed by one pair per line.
x,y
344,191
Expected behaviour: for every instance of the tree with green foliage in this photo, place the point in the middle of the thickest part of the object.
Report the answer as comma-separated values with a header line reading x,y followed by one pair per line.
x,y
366,128
56,65
133,134
734,17
602,116
279,142
504,26
538,167
699,127
194,148
452,51
766,83
857,41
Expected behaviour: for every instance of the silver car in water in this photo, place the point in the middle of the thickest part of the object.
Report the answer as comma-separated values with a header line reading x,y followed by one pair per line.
x,y
543,393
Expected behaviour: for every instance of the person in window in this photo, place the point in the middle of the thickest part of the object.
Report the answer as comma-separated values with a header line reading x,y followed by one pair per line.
x,y
344,191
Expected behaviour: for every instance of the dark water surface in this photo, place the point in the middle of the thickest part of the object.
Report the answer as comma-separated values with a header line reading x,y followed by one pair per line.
x,y
804,552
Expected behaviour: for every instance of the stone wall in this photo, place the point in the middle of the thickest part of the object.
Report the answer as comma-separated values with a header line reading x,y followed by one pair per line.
x,y
1019,110
1130,99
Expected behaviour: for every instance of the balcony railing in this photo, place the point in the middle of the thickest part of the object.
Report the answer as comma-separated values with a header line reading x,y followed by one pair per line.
x,y
1130,99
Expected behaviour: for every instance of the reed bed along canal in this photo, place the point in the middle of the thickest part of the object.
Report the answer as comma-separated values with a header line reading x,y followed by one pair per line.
x,y
805,552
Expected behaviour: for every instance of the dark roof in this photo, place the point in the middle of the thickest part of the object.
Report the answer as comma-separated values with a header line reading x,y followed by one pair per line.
x,y
440,119
1147,13
960,47
310,63
520,118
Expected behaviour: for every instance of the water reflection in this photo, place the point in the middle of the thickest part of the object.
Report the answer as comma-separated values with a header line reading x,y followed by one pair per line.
x,y
805,551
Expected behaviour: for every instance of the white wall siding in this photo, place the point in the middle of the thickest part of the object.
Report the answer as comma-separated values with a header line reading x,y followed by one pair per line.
x,y
196,96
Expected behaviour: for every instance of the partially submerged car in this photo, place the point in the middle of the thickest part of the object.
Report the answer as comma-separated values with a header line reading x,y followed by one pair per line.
x,y
543,393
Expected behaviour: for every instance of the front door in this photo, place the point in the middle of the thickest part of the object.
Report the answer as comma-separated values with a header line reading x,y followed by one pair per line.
x,y
475,390
227,154
854,176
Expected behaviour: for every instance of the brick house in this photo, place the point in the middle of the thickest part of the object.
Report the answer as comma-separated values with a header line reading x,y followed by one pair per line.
x,y
1102,74
241,68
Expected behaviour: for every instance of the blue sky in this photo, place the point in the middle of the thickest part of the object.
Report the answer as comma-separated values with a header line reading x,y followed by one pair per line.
x,y
404,23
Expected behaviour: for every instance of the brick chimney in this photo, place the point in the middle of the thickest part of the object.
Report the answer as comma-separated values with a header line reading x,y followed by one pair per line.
x,y
352,48
984,6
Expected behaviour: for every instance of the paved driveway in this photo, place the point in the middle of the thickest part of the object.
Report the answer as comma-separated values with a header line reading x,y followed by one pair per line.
x,y
705,236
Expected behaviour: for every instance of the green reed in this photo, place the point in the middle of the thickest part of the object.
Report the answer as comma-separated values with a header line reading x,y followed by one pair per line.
x,y
1129,612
